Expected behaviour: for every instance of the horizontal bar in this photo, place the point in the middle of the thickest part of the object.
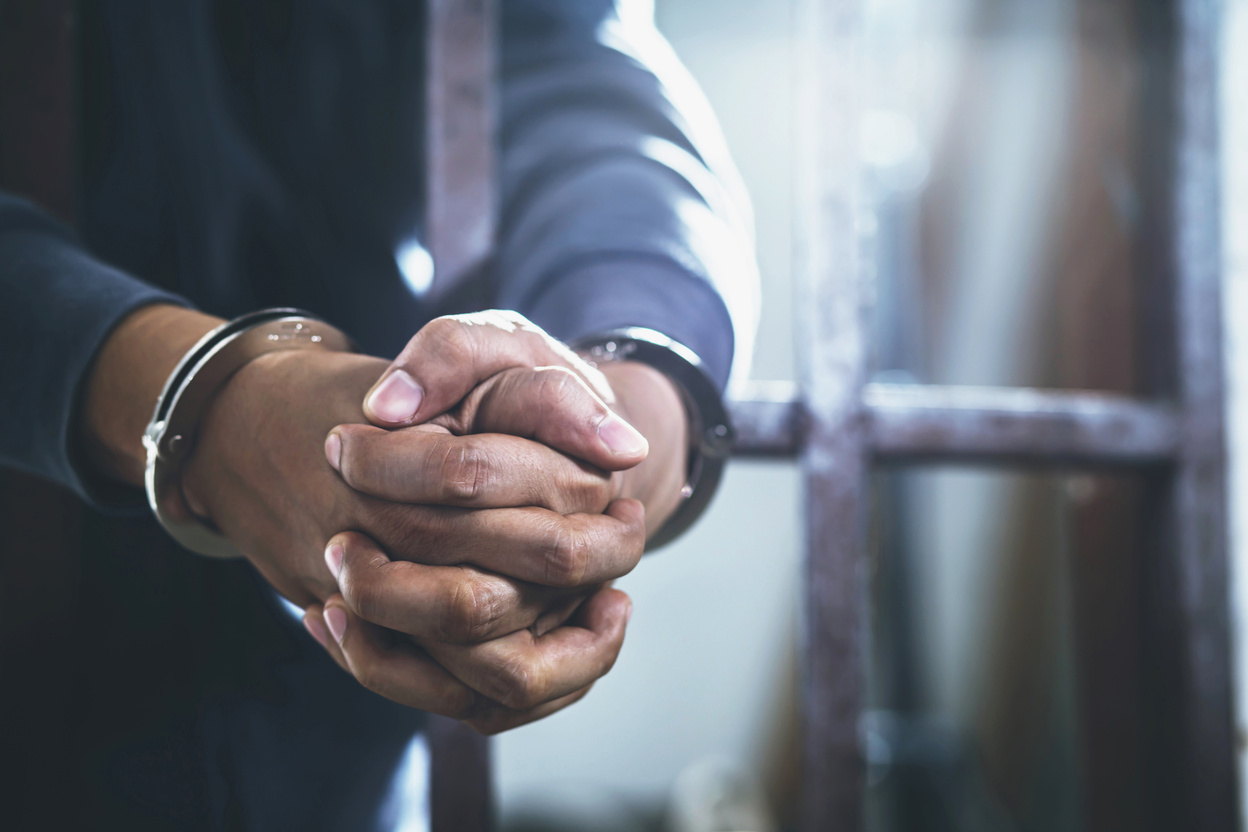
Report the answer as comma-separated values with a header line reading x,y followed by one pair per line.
x,y
768,419
916,422
926,423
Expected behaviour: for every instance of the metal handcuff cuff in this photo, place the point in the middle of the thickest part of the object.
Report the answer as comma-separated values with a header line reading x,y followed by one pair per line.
x,y
710,430
170,436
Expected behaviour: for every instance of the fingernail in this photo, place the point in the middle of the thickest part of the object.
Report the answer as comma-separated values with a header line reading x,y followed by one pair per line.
x,y
333,450
316,627
336,621
628,616
620,437
397,398
333,558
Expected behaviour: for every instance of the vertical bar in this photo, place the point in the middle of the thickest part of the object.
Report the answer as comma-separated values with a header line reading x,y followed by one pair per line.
x,y
459,778
460,216
1234,118
1199,492
832,312
460,134
1190,755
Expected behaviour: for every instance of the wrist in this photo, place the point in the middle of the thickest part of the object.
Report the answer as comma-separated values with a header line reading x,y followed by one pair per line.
x,y
126,380
651,403
283,382
709,430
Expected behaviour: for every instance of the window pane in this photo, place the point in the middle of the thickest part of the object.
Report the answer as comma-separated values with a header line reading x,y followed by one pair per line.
x,y
1005,664
996,147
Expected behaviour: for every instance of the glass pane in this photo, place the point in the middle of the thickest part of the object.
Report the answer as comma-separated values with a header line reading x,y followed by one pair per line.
x,y
996,146
1005,653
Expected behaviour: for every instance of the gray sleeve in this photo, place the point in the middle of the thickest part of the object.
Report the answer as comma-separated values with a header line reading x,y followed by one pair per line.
x,y
58,305
620,206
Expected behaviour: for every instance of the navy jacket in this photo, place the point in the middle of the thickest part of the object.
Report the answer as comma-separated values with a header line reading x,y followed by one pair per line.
x,y
239,155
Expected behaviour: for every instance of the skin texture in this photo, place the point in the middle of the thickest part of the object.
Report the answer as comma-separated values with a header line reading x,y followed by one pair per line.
x,y
458,560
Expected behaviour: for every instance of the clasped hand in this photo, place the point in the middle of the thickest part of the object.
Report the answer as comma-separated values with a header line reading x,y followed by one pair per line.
x,y
451,521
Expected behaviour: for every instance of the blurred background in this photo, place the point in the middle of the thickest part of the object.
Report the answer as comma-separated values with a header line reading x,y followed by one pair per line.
x,y
998,152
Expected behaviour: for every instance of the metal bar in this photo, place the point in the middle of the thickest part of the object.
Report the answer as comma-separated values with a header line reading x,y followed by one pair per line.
x,y
1200,481
460,797
832,315
1018,426
769,419
925,423
460,135
1190,754
459,231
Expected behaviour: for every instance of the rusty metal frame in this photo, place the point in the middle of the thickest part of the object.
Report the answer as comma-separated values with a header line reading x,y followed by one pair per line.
x,y
839,425
998,426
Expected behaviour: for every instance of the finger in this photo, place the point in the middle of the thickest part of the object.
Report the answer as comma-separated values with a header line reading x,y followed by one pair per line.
x,y
529,544
521,671
455,604
555,407
558,614
314,622
451,355
493,720
484,716
396,668
425,464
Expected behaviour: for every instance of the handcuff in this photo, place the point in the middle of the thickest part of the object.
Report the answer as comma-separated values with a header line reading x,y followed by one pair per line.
x,y
170,436
711,433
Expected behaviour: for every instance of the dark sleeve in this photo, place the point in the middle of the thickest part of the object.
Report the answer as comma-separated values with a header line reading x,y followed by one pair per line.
x,y
620,204
57,305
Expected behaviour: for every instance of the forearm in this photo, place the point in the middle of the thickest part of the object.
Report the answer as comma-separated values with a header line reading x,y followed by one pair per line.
x,y
125,381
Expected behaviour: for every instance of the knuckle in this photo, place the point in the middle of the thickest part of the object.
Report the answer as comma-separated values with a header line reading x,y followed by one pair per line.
x,y
460,702
463,473
470,614
587,492
557,386
449,334
515,684
567,557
